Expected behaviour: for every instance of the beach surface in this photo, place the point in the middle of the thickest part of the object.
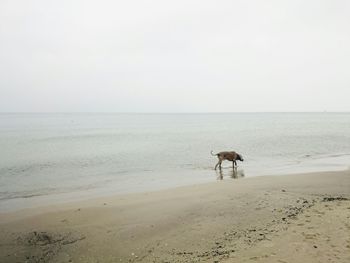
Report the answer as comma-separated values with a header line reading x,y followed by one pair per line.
x,y
290,218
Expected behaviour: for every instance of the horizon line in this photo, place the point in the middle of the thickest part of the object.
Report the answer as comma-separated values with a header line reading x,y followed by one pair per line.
x,y
172,112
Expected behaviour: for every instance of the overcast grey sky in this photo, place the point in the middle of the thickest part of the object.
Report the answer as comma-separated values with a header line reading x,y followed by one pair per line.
x,y
174,56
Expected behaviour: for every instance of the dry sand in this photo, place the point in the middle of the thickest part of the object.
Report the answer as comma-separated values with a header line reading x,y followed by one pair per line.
x,y
291,218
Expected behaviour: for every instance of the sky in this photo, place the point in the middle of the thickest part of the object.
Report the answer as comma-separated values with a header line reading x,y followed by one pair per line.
x,y
174,56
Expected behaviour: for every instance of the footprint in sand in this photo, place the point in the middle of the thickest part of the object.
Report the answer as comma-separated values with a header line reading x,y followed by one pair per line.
x,y
309,236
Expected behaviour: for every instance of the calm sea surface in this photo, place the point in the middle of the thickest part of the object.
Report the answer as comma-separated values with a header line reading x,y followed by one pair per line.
x,y
62,156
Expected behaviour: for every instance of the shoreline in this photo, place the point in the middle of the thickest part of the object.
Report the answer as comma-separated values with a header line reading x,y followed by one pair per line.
x,y
84,200
162,181
225,221
76,198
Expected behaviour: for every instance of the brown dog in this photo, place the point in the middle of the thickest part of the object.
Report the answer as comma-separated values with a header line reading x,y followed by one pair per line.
x,y
229,156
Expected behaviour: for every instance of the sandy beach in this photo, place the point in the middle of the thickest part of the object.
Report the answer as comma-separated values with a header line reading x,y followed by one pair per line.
x,y
290,218
174,131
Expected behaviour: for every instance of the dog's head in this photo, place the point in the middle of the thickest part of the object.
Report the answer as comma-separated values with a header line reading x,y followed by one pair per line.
x,y
239,157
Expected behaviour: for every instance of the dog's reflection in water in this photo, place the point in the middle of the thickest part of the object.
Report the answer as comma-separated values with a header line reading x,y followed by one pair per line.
x,y
233,173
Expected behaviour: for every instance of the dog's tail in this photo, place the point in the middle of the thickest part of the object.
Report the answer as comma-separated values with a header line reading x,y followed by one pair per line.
x,y
213,153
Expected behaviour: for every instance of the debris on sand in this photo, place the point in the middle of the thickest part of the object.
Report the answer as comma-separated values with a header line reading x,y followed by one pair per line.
x,y
42,246
336,198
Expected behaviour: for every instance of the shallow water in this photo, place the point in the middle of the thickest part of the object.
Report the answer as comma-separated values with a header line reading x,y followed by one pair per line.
x,y
65,155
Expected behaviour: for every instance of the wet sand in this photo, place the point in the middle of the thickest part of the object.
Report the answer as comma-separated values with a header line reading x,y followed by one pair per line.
x,y
291,218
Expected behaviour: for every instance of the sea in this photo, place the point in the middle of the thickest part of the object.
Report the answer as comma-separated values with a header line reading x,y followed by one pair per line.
x,y
50,158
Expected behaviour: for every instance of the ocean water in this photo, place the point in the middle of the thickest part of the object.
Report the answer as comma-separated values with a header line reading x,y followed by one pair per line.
x,y
59,157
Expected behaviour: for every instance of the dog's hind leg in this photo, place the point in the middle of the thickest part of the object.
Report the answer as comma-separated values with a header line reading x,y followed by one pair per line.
x,y
218,164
